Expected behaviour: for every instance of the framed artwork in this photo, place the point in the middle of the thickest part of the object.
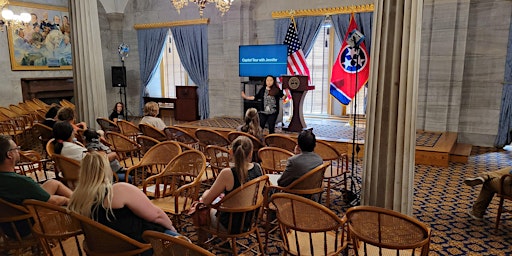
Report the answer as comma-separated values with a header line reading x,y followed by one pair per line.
x,y
44,42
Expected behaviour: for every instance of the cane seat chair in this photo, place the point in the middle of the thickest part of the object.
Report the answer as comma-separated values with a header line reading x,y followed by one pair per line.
x,y
31,165
241,207
107,125
146,143
273,159
59,233
338,169
307,227
152,132
207,137
68,168
181,135
256,143
50,147
44,134
128,129
154,161
101,240
15,233
128,150
67,103
379,231
280,141
218,158
167,245
504,193
175,188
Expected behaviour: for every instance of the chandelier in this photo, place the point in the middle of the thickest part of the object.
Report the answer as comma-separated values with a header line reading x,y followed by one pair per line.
x,y
222,5
11,19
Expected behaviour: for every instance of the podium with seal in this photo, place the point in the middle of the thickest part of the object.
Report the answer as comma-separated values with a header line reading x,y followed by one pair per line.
x,y
298,86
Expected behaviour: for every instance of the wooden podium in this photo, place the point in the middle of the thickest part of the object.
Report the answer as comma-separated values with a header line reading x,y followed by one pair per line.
x,y
298,86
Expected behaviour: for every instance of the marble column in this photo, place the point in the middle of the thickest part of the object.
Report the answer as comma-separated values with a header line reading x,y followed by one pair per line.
x,y
388,173
89,76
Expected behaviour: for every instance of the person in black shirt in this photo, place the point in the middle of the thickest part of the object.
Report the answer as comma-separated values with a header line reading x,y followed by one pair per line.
x,y
117,112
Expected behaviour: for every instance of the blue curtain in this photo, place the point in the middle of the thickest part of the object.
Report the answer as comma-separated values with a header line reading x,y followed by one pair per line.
x,y
505,126
192,45
150,46
307,30
364,22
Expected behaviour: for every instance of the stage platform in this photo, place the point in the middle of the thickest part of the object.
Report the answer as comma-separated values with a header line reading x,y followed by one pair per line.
x,y
432,148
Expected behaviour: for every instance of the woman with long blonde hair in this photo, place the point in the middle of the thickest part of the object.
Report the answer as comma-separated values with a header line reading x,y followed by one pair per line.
x,y
120,206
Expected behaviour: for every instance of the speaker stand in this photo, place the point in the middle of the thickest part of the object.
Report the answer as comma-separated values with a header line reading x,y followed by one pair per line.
x,y
124,92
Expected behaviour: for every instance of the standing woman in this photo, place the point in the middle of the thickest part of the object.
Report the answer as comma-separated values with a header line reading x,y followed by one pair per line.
x,y
271,95
117,112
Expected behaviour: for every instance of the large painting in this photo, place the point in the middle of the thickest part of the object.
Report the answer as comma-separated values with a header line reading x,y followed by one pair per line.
x,y
44,42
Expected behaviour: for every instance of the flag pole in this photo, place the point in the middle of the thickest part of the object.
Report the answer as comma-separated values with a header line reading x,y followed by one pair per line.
x,y
355,149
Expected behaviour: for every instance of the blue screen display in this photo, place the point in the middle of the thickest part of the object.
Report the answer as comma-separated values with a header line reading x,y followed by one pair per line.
x,y
262,60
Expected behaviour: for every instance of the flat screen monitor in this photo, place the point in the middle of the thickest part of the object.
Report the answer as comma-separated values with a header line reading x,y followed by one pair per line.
x,y
262,60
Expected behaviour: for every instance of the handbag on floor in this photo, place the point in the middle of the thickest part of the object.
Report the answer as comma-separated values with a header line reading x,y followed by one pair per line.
x,y
200,214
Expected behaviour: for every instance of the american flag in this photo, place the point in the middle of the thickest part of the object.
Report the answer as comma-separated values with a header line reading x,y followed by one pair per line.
x,y
296,61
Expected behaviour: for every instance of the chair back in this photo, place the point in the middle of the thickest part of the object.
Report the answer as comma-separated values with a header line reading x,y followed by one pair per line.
x,y
152,132
379,231
67,103
181,135
504,192
41,103
154,161
69,168
273,159
128,150
50,147
256,142
310,183
166,245
280,141
219,158
128,129
15,225
107,125
207,137
146,143
30,165
43,132
307,227
53,225
101,240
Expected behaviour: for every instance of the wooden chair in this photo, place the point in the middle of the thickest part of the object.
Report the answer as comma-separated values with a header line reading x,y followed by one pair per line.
x,y
69,168
128,129
256,143
31,165
308,228
167,245
219,159
181,135
67,103
59,233
128,150
207,137
152,132
101,240
154,161
107,125
146,143
310,185
337,170
503,193
44,134
240,205
15,233
280,141
177,186
50,148
41,103
273,160
379,231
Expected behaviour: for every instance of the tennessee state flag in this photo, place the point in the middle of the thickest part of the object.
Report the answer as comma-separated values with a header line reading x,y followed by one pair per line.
x,y
348,62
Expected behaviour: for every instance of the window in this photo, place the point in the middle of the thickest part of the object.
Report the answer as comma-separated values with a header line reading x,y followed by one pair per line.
x,y
320,60
169,73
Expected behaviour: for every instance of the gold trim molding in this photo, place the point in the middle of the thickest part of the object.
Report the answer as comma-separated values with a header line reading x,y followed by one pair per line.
x,y
39,6
323,11
172,24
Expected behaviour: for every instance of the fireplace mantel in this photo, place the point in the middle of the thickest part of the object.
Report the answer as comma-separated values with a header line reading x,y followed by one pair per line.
x,y
47,89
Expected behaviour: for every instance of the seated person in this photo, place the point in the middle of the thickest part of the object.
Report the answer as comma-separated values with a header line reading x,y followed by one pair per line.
x,y
92,140
231,178
68,114
51,116
15,188
117,112
303,161
252,124
150,112
64,141
120,206
491,185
